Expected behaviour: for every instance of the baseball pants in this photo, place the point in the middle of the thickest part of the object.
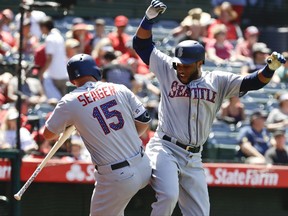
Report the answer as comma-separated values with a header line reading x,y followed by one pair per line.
x,y
177,175
115,188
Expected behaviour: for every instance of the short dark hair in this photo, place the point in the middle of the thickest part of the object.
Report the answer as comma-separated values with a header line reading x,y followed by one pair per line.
x,y
47,22
109,56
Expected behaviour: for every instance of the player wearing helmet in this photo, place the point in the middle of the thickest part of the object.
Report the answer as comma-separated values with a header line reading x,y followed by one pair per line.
x,y
190,99
110,119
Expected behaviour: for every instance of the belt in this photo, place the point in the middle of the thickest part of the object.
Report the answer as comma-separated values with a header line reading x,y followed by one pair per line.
x,y
189,148
121,164
117,165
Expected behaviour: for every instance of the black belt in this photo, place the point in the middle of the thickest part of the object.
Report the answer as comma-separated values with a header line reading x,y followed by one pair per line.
x,y
192,149
121,164
117,165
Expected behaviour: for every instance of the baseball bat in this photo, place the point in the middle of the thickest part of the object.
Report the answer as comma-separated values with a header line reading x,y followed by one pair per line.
x,y
63,137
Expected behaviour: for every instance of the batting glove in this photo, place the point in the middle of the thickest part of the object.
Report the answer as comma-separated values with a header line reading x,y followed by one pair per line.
x,y
154,10
275,60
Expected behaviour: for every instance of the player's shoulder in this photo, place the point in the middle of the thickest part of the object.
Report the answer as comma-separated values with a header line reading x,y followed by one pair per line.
x,y
118,87
160,54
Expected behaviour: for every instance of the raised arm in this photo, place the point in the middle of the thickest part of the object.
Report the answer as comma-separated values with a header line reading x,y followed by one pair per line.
x,y
260,78
142,41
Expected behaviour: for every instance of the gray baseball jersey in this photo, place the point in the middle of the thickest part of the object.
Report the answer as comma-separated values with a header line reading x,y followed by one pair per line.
x,y
189,121
101,112
186,113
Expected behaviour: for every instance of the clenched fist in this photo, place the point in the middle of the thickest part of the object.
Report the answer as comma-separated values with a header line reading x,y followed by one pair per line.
x,y
155,9
275,60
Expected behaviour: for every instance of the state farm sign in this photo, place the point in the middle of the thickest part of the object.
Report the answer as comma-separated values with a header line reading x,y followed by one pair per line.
x,y
241,177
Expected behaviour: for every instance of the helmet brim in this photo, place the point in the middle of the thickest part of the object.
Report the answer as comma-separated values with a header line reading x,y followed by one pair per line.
x,y
185,61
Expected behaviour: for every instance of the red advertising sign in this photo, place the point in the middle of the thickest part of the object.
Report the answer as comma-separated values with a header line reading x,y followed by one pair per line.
x,y
217,174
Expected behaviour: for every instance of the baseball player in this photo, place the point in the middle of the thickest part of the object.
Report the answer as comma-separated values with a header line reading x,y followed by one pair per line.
x,y
190,99
110,120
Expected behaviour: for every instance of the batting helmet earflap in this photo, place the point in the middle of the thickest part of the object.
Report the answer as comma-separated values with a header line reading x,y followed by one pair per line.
x,y
188,52
82,65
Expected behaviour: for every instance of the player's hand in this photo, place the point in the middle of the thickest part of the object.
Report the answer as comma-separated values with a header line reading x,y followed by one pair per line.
x,y
155,9
275,60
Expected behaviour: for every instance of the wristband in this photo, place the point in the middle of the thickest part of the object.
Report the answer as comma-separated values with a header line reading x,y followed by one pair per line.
x,y
265,74
146,24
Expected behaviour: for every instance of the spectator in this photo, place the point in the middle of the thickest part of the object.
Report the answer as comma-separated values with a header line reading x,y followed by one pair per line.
x,y
278,154
7,42
278,117
232,111
226,15
282,72
118,37
30,42
53,74
4,81
35,17
103,46
220,50
8,17
193,26
260,52
237,5
114,72
72,47
32,90
99,32
254,139
244,47
132,60
8,133
81,32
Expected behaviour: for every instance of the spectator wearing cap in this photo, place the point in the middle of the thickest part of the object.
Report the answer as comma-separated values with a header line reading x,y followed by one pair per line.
x,y
7,42
278,153
260,52
72,47
8,17
82,33
4,82
8,133
193,26
32,91
254,139
99,31
35,16
30,42
244,47
237,5
53,73
118,37
219,49
278,116
132,60
225,14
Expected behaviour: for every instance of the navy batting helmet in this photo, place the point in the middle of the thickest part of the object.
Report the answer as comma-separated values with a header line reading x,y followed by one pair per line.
x,y
188,52
82,65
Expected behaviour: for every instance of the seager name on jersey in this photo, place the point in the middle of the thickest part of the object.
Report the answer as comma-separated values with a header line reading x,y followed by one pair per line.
x,y
180,90
96,94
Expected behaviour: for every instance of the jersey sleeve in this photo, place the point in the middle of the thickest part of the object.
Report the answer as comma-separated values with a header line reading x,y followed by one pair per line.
x,y
160,63
60,118
136,105
229,83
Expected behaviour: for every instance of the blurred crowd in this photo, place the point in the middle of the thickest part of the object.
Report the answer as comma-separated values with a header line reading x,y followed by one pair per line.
x,y
44,80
